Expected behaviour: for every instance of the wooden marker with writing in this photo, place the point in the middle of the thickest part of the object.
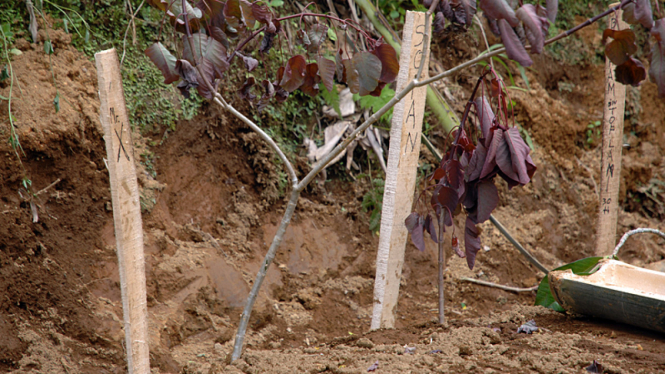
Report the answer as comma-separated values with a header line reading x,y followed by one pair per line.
x,y
401,174
610,172
126,210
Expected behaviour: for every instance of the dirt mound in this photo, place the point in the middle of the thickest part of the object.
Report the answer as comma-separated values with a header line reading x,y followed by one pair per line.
x,y
47,310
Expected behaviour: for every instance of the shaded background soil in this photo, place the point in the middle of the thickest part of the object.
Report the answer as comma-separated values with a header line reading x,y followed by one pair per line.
x,y
214,205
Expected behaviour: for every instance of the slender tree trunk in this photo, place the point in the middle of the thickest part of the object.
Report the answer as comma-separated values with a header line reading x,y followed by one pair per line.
x,y
260,276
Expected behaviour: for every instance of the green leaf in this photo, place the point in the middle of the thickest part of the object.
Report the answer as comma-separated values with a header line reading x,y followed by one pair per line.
x,y
394,14
56,102
15,52
584,266
87,36
523,74
64,22
376,103
331,97
331,35
276,3
48,47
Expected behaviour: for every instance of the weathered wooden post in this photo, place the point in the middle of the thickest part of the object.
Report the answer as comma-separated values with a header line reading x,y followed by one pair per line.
x,y
610,172
401,175
126,210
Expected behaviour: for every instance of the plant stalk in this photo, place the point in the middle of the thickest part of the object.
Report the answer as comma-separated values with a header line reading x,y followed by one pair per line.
x,y
442,268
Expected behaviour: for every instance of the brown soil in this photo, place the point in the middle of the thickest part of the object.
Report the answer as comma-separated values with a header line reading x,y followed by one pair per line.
x,y
217,205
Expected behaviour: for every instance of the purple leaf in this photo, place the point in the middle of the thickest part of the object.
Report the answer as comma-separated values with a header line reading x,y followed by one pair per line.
x,y
351,76
643,13
485,115
514,47
374,366
268,93
164,60
476,163
327,72
623,45
250,62
389,62
631,72
247,14
488,198
430,227
528,328
454,173
552,9
312,79
595,367
491,158
492,25
368,67
267,42
628,14
658,31
245,91
189,77
499,9
447,197
200,43
522,164
536,27
414,224
439,23
216,54
294,73
317,35
471,242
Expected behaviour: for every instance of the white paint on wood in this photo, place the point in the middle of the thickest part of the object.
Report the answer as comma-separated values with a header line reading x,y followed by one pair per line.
x,y
126,210
610,172
401,175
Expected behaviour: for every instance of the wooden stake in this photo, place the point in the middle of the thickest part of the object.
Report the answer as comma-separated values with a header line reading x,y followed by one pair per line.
x,y
400,184
126,210
610,178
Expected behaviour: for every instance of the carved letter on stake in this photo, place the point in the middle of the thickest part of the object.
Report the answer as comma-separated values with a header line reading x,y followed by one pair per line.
x,y
126,210
610,178
401,174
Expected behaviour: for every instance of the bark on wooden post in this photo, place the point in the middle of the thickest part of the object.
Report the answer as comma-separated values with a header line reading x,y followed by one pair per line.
x,y
126,210
610,172
401,175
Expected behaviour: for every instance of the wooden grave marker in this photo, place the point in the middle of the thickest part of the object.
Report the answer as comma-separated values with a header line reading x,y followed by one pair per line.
x,y
401,175
126,210
610,171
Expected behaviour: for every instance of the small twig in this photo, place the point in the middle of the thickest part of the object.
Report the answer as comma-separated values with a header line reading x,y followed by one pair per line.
x,y
43,190
505,288
633,232
487,44
131,23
